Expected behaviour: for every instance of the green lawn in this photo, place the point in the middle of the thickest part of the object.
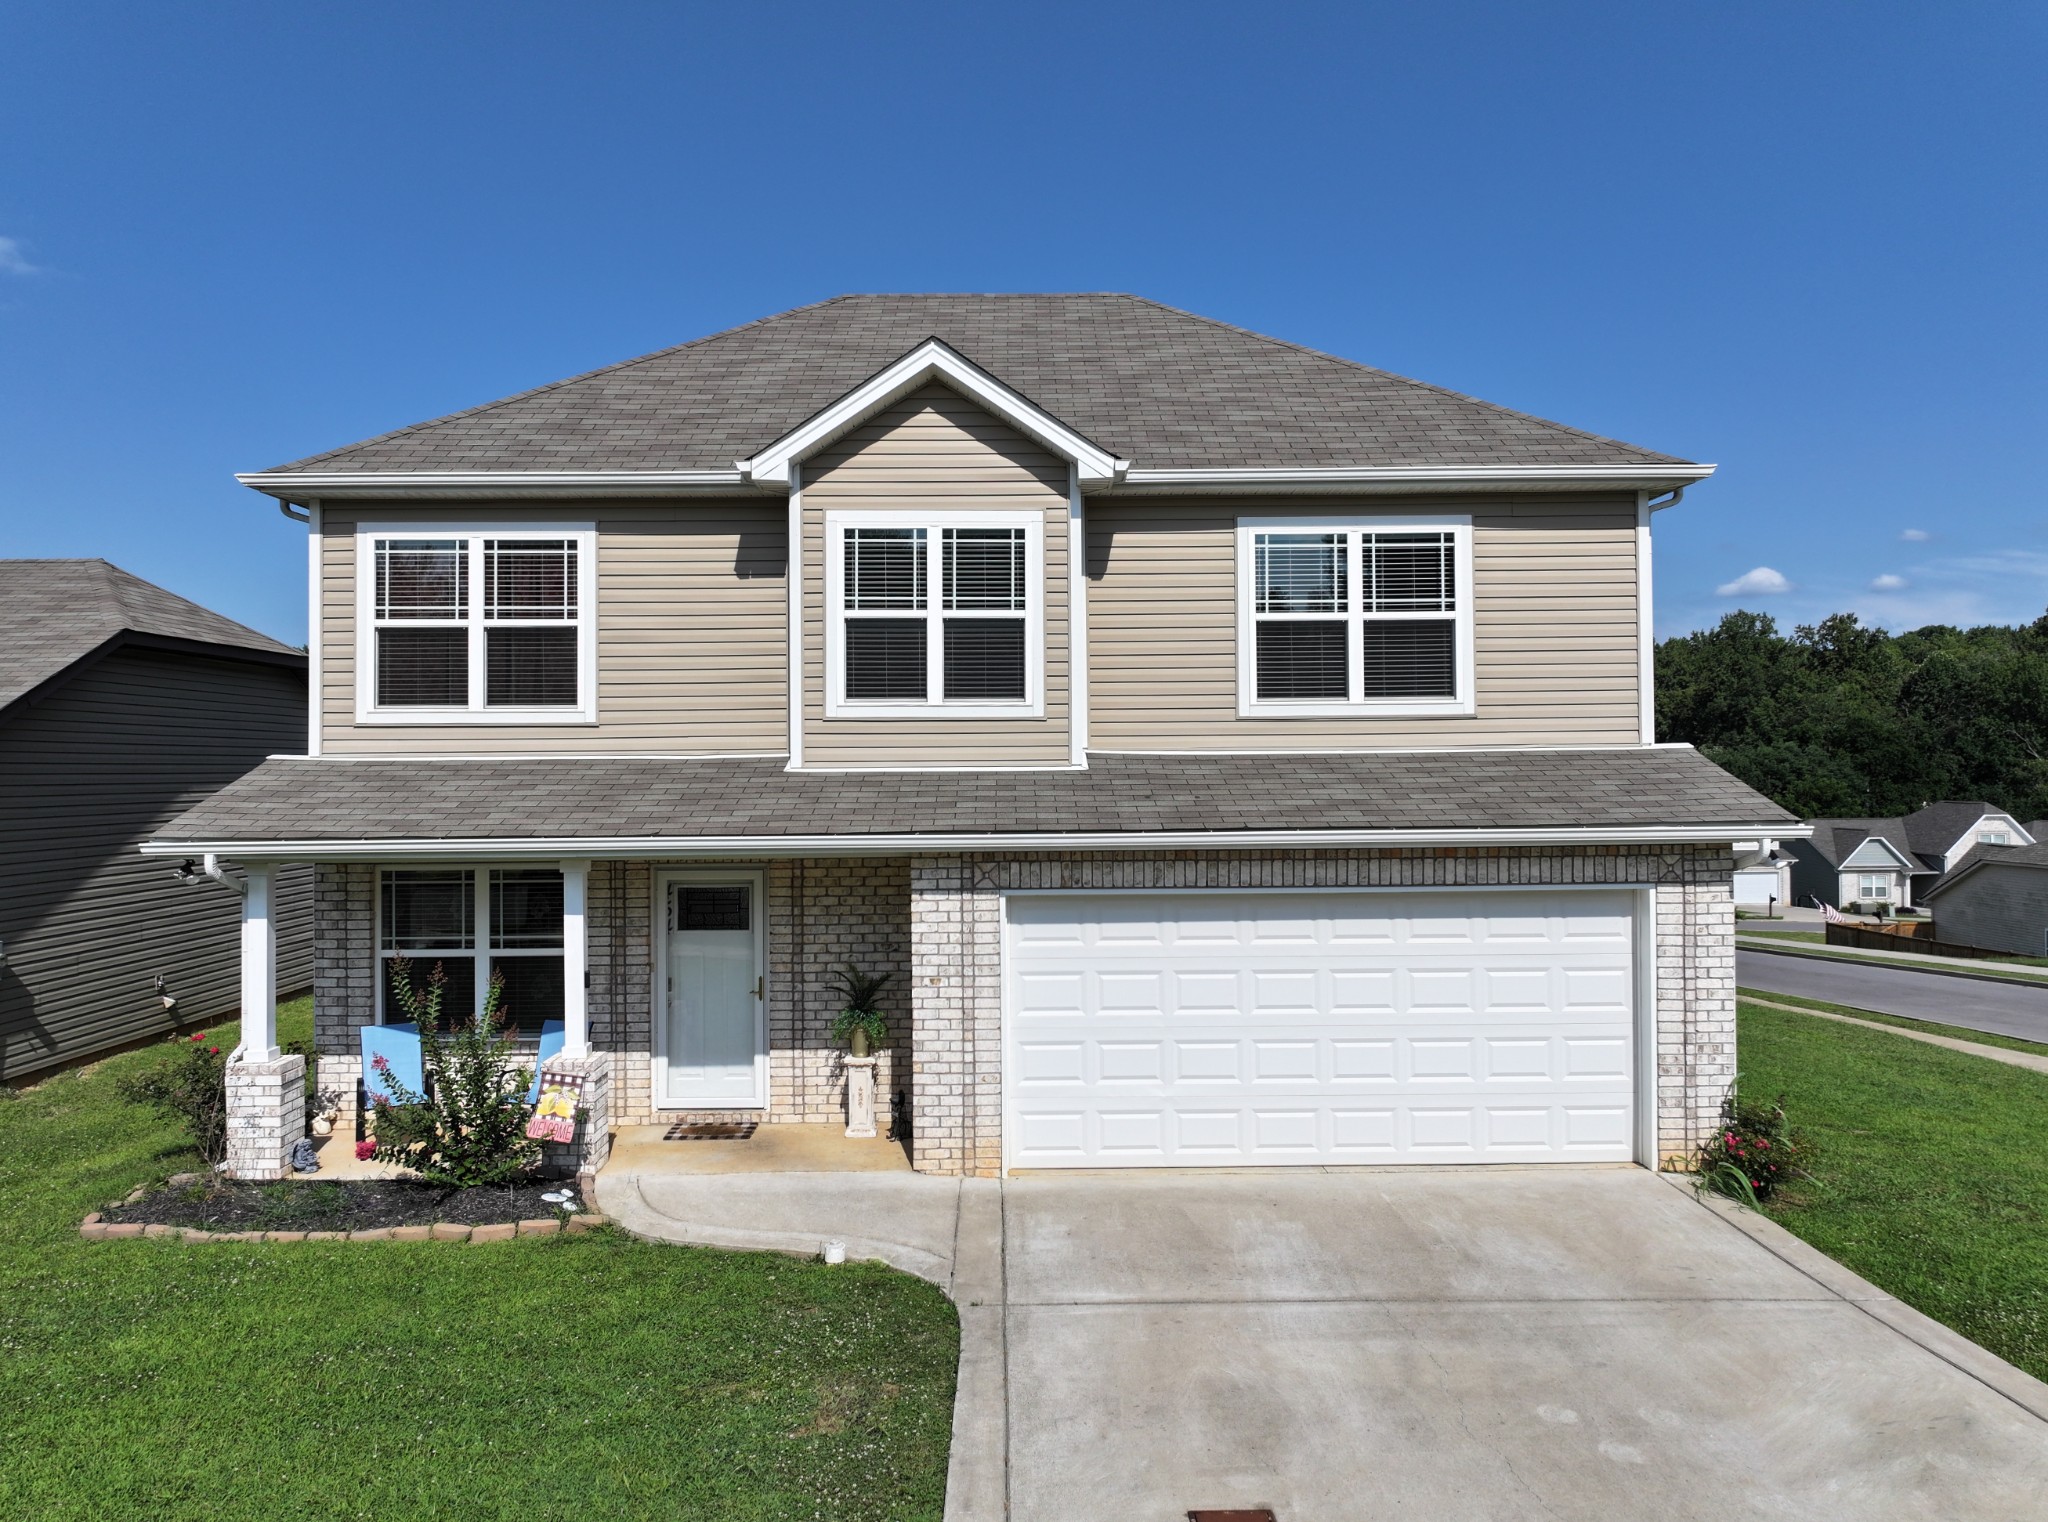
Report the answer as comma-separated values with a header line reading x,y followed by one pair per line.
x,y
589,1377
1959,1032
1932,1177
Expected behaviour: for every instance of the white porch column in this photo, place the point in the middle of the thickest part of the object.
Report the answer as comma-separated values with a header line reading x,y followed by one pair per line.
x,y
266,1090
259,967
575,959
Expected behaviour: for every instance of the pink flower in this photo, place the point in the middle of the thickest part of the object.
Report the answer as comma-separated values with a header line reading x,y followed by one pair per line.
x,y
1762,1143
381,1063
215,1050
197,1036
365,1150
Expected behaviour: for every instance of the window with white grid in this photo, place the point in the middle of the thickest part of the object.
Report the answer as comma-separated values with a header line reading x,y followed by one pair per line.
x,y
468,925
475,625
933,613
1355,615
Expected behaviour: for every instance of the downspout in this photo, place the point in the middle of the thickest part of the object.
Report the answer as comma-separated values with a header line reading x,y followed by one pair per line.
x,y
210,866
298,517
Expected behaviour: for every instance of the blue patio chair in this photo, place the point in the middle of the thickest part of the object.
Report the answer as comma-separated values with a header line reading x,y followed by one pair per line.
x,y
398,1045
551,1039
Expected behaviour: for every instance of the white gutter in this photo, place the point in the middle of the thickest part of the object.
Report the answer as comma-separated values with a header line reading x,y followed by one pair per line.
x,y
540,483
1669,476
616,847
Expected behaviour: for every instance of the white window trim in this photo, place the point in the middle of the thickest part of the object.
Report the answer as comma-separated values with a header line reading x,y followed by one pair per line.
x,y
480,949
473,534
1886,887
1249,706
839,706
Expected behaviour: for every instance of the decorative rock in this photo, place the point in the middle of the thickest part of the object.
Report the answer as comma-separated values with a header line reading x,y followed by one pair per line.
x,y
411,1233
126,1229
374,1234
500,1233
449,1231
287,1236
153,1229
582,1223
194,1234
238,1236
94,1231
545,1228
93,1220
182,1180
136,1193
326,1236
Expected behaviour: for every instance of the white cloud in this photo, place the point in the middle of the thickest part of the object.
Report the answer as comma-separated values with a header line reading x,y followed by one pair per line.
x,y
12,260
1761,582
1916,536
1888,583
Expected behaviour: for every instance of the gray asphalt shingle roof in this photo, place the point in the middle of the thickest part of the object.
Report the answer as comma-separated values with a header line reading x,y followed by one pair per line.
x,y
55,612
426,800
1163,388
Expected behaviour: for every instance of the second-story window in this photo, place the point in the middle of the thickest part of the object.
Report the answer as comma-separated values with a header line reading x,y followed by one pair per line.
x,y
936,613
482,626
1360,616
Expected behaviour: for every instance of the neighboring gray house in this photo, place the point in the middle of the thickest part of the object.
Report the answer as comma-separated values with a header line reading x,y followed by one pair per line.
x,y
1997,899
121,705
1238,755
1864,864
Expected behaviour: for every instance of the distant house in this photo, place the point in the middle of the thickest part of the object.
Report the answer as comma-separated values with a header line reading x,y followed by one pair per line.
x,y
1997,899
122,705
1865,864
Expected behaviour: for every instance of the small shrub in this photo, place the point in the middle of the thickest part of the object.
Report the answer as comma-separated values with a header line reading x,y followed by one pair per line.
x,y
191,1089
469,1128
1753,1152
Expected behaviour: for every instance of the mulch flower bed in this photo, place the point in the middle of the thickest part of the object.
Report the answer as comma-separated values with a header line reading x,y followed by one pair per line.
x,y
355,1209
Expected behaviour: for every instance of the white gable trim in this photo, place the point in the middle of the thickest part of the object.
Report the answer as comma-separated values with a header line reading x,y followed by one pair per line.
x,y
1896,862
929,361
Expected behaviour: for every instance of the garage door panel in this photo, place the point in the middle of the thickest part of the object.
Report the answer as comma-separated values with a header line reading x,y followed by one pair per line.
x,y
1154,1029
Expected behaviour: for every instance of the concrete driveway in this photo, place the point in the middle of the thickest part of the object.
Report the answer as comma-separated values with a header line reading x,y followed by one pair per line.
x,y
1442,1344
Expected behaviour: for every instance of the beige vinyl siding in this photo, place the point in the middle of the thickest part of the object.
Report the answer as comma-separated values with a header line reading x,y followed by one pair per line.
x,y
937,450
1554,627
692,629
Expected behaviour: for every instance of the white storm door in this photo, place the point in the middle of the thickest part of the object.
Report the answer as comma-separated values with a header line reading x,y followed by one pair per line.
x,y
714,1051
1233,1029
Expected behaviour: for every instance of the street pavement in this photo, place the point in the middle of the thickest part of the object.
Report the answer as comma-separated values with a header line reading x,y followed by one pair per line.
x,y
2006,1009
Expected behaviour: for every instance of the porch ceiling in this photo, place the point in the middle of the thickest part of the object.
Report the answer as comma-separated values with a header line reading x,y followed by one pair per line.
x,y
633,805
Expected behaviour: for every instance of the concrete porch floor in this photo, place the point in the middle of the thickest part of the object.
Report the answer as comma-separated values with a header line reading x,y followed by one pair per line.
x,y
642,1152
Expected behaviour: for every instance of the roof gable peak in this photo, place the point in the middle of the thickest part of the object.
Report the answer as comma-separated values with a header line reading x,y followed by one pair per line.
x,y
775,467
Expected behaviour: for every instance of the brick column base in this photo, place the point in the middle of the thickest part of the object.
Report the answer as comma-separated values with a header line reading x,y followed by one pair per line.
x,y
338,1079
266,1114
593,1144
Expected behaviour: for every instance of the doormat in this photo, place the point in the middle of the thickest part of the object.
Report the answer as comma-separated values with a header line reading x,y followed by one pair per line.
x,y
710,1130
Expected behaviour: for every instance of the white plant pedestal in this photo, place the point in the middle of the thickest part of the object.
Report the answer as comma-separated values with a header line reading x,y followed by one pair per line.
x,y
860,1096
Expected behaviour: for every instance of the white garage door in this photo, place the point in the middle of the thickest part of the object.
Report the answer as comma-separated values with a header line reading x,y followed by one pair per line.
x,y
1226,1029
1758,886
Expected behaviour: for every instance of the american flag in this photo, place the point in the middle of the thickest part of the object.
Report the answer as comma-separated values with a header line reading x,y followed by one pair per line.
x,y
1830,915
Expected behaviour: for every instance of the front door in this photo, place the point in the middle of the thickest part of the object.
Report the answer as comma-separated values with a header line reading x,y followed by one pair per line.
x,y
714,1050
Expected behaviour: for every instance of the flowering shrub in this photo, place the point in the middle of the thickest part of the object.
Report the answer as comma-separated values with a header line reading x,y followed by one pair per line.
x,y
192,1089
1752,1152
469,1128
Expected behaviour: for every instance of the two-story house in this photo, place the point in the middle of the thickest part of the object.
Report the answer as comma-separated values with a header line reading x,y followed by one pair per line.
x,y
1873,865
1237,755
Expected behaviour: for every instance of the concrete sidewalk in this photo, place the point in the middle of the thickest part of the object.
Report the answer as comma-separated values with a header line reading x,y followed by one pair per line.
x,y
1453,1343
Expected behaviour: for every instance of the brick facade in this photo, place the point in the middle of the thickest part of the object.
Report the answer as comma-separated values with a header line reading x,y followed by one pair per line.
x,y
822,915
956,921
936,924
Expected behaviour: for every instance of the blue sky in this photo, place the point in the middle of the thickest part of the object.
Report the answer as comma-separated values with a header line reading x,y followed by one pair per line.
x,y
1802,241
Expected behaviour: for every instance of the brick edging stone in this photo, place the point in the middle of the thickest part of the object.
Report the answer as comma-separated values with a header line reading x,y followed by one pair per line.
x,y
95,1228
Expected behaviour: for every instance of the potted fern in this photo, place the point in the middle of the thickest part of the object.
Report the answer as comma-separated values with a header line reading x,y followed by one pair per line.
x,y
860,1024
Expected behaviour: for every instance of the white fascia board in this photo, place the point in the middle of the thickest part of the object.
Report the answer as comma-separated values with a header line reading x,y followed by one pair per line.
x,y
929,361
290,485
1438,477
615,847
